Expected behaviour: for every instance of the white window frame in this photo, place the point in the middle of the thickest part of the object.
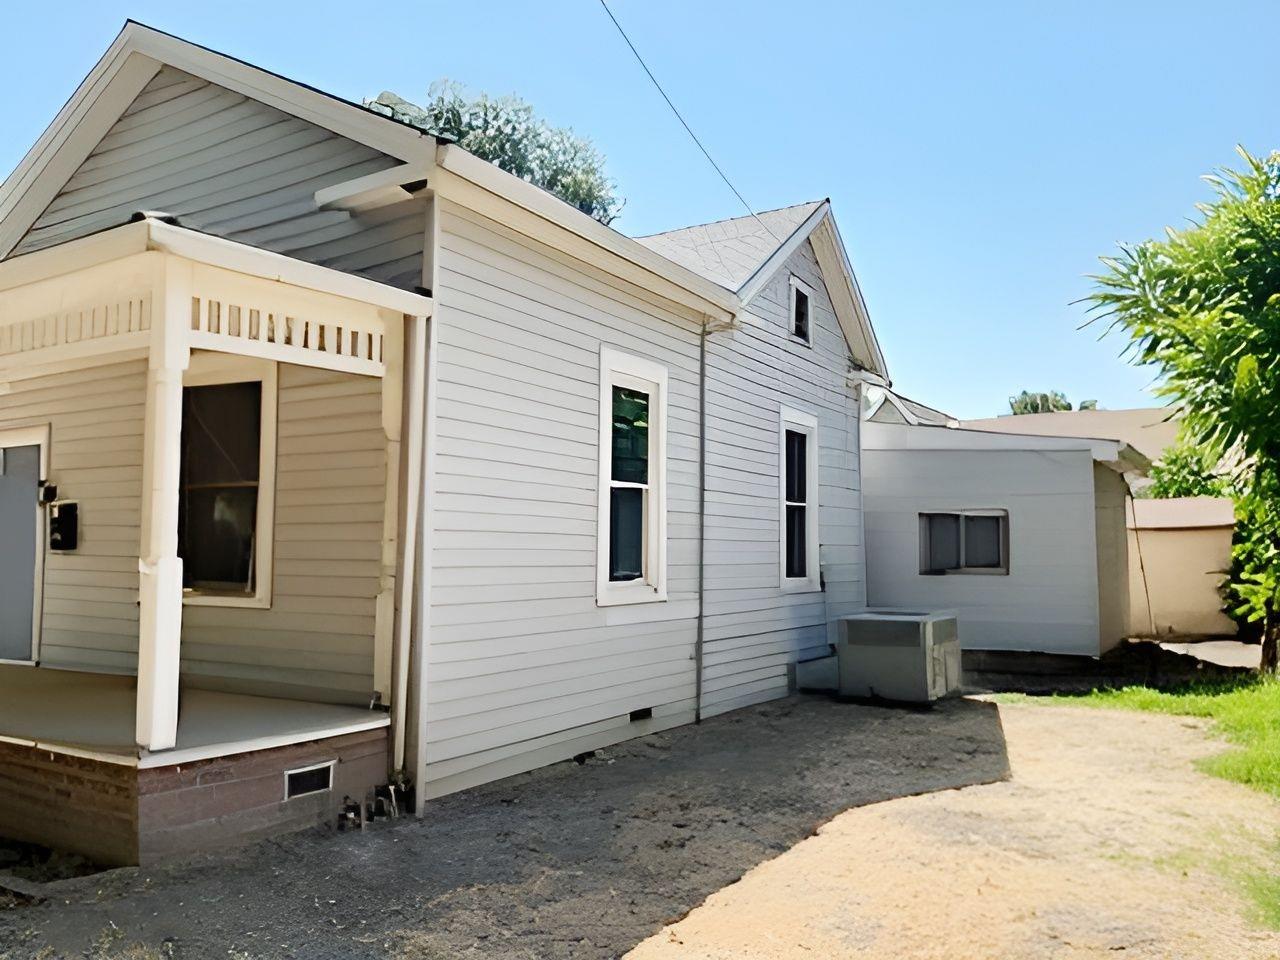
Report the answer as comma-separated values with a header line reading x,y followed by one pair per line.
x,y
32,436
619,369
798,284
212,369
1000,571
797,421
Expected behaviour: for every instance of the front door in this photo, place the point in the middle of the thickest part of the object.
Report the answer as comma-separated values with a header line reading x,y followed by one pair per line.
x,y
19,519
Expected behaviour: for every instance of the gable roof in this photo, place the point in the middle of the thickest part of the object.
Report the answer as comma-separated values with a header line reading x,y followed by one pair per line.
x,y
730,251
743,253
138,54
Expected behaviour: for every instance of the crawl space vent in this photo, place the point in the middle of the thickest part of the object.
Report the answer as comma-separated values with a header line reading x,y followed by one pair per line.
x,y
299,783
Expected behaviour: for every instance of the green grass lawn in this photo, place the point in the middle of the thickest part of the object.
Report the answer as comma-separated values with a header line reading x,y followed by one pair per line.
x,y
1245,713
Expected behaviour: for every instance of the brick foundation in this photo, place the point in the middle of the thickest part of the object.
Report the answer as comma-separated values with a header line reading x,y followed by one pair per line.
x,y
117,814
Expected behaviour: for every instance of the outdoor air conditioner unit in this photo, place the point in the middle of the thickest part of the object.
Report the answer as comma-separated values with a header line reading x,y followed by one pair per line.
x,y
899,655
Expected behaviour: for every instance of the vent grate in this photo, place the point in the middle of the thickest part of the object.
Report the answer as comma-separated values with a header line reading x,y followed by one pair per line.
x,y
308,780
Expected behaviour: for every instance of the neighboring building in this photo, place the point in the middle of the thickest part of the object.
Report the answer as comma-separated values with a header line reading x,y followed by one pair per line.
x,y
1022,536
367,459
1149,430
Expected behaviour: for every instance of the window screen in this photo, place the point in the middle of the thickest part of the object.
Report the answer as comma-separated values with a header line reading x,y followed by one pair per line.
x,y
800,320
942,542
962,541
796,445
629,484
218,495
982,541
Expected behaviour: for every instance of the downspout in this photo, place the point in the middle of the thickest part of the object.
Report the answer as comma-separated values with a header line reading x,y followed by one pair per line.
x,y
702,520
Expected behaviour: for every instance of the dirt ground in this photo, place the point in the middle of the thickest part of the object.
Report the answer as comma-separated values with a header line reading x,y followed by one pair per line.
x,y
581,861
1105,842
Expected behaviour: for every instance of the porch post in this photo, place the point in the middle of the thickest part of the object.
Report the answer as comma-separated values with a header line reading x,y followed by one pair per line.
x,y
160,595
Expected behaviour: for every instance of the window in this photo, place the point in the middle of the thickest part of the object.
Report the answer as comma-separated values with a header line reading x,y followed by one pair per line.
x,y
970,541
631,552
226,480
801,294
798,487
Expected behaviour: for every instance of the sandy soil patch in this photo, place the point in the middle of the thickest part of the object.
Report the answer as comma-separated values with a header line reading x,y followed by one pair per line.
x,y
1106,842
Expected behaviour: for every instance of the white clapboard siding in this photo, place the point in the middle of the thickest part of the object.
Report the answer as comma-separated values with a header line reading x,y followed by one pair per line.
x,y
1048,602
753,630
233,166
522,667
95,419
316,640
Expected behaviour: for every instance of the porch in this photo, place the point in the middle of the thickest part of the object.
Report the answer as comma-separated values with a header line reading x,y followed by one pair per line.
x,y
94,715
214,452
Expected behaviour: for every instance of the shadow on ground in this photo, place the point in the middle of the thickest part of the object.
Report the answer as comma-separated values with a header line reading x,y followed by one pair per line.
x,y
568,861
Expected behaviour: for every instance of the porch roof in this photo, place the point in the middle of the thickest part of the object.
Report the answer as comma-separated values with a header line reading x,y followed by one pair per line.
x,y
93,714
96,295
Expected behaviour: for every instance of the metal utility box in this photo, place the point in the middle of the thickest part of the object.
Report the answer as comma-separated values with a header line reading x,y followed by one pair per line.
x,y
899,655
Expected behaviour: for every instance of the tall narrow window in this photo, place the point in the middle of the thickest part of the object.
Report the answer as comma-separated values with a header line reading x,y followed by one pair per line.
x,y
631,555
226,482
797,492
798,519
628,484
801,296
218,493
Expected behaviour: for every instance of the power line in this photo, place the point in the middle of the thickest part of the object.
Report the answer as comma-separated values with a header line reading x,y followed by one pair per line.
x,y
683,122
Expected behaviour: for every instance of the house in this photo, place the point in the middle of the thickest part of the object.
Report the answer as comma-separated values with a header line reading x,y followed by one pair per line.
x,y
1022,536
339,460
1180,548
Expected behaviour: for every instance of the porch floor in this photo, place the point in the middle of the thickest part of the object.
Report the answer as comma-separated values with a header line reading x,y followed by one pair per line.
x,y
93,713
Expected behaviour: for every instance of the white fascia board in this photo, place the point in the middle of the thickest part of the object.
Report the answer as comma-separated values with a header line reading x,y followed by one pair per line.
x,y
373,190
923,436
98,102
860,321
706,294
75,255
333,113
230,255
764,273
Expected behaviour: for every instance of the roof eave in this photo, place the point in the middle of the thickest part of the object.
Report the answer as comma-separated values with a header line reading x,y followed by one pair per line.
x,y
700,293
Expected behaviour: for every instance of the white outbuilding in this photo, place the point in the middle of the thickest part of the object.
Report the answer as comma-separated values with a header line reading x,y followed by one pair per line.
x,y
1022,536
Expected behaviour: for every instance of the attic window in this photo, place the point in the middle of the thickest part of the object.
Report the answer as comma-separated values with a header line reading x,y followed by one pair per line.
x,y
799,315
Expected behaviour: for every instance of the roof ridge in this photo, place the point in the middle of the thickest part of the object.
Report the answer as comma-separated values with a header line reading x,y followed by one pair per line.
x,y
747,216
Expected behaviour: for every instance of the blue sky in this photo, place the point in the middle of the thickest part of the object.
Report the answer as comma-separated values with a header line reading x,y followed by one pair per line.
x,y
979,156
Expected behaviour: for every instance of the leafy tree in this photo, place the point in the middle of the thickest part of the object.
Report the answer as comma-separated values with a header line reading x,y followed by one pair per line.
x,y
1203,306
506,132
1052,401
1185,470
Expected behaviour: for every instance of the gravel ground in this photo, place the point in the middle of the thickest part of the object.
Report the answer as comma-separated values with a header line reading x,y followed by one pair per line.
x,y
572,860
1105,842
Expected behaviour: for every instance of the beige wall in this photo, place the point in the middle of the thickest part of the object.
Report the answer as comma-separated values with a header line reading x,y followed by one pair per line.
x,y
1178,570
1109,495
316,640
